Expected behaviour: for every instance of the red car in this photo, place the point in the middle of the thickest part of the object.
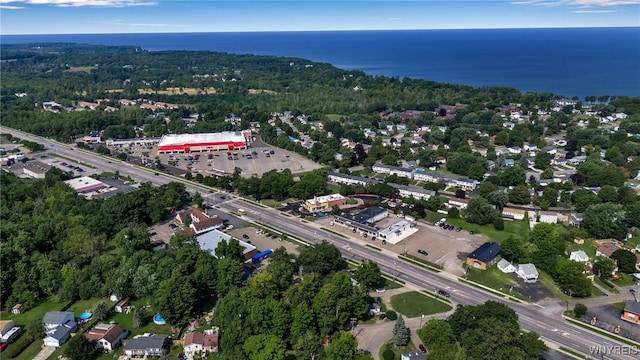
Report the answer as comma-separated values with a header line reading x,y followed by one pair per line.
x,y
3,346
422,348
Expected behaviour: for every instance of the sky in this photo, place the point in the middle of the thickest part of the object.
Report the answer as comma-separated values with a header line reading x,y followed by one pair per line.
x,y
161,16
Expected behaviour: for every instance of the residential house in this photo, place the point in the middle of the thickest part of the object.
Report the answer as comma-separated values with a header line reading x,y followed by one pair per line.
x,y
483,256
409,164
58,326
324,203
350,179
549,150
509,125
511,213
374,309
577,160
606,247
631,312
515,150
196,342
549,217
392,170
530,147
579,256
415,192
575,219
147,345
106,336
509,162
527,272
460,204
506,267
415,355
198,221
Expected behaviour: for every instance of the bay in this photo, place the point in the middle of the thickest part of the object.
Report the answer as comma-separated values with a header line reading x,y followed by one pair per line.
x,y
567,62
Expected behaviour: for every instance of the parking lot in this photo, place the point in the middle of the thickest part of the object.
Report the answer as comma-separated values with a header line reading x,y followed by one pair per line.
x,y
448,248
261,241
608,318
256,160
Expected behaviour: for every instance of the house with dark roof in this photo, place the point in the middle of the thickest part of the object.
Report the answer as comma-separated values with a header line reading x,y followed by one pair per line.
x,y
196,342
631,312
58,327
147,345
483,256
106,336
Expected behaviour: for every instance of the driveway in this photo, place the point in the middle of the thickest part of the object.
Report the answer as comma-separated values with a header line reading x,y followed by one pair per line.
x,y
44,353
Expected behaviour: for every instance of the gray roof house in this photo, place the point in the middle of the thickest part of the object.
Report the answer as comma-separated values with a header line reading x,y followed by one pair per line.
x,y
149,345
527,272
58,327
415,355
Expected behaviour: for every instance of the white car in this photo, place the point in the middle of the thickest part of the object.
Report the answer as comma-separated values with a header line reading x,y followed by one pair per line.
x,y
381,290
259,231
229,227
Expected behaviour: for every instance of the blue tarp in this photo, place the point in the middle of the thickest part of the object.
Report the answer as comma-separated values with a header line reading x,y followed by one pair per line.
x,y
260,256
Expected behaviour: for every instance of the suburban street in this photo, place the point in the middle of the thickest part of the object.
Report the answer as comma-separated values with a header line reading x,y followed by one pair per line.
x,y
544,320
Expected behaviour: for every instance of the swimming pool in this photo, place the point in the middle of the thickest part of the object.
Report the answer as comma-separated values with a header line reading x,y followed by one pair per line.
x,y
159,320
85,316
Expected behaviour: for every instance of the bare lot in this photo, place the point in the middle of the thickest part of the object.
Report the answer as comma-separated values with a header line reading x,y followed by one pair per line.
x,y
445,247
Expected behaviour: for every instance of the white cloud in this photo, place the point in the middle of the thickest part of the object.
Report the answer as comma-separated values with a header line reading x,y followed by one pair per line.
x,y
594,11
10,7
78,3
581,3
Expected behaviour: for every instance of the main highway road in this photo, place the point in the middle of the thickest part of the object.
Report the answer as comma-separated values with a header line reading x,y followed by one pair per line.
x,y
546,322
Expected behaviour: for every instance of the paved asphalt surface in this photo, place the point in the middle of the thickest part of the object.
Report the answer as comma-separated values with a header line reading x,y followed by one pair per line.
x,y
545,321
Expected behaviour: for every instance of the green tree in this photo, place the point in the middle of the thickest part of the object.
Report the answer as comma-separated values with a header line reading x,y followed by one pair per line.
x,y
498,198
511,249
550,195
604,266
626,260
532,345
568,275
229,274
436,333
265,347
579,310
78,348
487,187
520,195
322,258
400,332
198,200
230,250
604,221
391,315
174,299
632,213
608,193
309,346
343,346
479,211
101,311
543,160
139,317
368,275
498,224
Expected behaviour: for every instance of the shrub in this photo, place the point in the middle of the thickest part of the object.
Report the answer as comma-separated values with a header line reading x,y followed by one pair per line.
x,y
498,224
579,310
388,354
454,212
391,315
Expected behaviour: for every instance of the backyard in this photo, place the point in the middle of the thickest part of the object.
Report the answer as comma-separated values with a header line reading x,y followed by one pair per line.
x,y
518,229
397,350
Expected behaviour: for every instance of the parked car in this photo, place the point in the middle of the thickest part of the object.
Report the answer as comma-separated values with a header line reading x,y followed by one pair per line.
x,y
229,227
245,236
458,229
381,290
423,252
383,316
373,238
422,348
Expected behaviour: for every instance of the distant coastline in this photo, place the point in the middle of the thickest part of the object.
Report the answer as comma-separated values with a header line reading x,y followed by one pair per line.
x,y
564,61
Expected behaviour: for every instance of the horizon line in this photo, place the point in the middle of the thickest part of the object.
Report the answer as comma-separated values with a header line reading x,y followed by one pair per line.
x,y
333,30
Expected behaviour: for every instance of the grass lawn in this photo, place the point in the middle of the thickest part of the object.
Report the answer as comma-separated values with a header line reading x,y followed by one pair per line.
x,y
390,284
81,306
413,304
432,216
35,313
633,242
398,351
547,281
492,277
517,228
586,247
31,351
625,280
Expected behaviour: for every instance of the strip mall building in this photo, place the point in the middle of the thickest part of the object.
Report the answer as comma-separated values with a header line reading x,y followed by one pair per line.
x,y
187,143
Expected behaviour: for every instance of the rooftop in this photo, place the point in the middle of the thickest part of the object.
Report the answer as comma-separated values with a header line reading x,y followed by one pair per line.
x,y
486,252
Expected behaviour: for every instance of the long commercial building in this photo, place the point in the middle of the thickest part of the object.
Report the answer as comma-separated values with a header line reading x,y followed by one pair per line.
x,y
186,143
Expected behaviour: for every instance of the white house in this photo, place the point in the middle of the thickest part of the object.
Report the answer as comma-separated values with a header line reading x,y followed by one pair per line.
x,y
511,213
58,327
106,336
458,203
527,272
579,256
548,217
506,267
